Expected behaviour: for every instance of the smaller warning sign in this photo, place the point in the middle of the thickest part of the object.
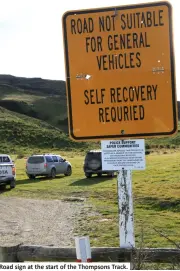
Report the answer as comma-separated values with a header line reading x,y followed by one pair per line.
x,y
123,154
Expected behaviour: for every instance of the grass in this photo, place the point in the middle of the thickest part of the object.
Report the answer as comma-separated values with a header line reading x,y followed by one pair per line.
x,y
155,191
30,101
23,134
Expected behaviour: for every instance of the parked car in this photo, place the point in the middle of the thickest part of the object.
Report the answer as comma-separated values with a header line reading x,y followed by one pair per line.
x,y
7,171
93,164
47,165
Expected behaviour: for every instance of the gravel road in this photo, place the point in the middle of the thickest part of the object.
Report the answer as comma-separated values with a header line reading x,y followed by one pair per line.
x,y
38,222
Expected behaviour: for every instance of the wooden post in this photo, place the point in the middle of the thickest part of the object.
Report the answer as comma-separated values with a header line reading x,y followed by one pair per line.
x,y
126,216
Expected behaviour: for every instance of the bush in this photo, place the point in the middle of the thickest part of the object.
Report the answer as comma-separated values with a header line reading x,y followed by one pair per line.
x,y
154,146
148,146
20,156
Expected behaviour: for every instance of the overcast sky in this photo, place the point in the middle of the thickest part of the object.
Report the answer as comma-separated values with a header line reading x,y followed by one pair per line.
x,y
31,43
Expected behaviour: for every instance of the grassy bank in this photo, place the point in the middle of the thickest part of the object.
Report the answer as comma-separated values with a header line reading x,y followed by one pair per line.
x,y
22,134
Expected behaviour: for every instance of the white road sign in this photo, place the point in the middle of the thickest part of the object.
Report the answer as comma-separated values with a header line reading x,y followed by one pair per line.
x,y
123,154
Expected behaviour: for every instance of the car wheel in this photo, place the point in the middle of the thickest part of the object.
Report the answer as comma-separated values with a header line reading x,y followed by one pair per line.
x,y
53,173
12,184
69,171
88,175
99,174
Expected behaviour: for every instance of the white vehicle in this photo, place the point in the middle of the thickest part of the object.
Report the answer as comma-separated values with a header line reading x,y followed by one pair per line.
x,y
7,171
48,165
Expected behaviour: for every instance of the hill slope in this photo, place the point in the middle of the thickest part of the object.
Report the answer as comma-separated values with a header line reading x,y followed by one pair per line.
x,y
19,133
36,85
35,97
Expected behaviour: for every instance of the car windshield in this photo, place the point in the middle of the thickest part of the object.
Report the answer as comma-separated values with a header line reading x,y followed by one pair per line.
x,y
4,159
36,159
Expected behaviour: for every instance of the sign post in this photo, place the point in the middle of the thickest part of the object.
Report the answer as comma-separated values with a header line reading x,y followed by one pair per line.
x,y
120,74
125,203
124,156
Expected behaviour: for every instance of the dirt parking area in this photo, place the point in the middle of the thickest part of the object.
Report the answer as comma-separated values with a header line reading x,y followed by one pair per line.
x,y
38,222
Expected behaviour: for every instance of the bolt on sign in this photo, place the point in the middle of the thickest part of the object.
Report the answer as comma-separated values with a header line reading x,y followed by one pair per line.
x,y
120,72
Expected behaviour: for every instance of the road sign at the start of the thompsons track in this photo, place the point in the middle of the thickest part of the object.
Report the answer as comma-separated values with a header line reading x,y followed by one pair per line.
x,y
120,73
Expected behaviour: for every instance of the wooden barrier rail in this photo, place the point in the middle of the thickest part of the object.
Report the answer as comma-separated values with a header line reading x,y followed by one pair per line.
x,y
23,253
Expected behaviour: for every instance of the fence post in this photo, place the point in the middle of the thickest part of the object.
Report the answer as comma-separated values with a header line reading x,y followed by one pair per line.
x,y
83,249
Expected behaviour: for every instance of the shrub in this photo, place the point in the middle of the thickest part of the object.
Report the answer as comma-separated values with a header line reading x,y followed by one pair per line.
x,y
20,156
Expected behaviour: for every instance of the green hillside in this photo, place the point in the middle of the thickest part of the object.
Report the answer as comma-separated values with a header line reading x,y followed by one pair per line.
x,y
165,142
35,97
23,134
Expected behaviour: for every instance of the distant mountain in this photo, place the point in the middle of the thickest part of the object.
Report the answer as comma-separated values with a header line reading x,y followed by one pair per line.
x,y
35,97
36,85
